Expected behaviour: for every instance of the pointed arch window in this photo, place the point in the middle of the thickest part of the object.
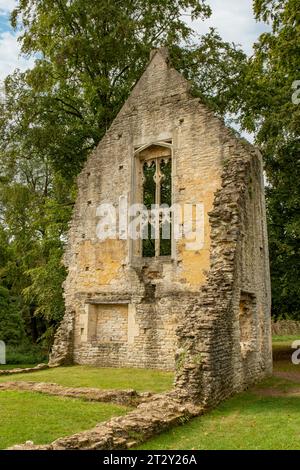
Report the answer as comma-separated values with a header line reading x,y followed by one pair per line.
x,y
156,192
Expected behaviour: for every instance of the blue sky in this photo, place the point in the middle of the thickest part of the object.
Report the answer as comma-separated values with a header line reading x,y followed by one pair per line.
x,y
233,19
235,22
9,48
4,22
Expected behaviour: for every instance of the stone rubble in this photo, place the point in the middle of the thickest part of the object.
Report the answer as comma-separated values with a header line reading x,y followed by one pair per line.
x,y
27,370
124,432
120,397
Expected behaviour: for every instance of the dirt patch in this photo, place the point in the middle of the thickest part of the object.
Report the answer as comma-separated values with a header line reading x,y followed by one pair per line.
x,y
272,392
293,376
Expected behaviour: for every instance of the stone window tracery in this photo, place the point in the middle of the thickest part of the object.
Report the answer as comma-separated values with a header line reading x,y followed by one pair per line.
x,y
156,192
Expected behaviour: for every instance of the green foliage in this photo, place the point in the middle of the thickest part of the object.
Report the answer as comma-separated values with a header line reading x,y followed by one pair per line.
x,y
88,56
215,69
11,326
46,287
35,208
284,230
180,360
266,108
25,353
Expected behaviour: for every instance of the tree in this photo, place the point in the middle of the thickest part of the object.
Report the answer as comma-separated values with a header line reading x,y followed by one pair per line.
x,y
89,54
11,327
11,324
266,108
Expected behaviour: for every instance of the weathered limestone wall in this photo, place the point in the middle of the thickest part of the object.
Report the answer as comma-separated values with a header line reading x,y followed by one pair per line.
x,y
225,339
159,109
209,308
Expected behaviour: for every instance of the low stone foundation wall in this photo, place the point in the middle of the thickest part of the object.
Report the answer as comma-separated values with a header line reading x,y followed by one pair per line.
x,y
286,327
120,397
124,432
19,370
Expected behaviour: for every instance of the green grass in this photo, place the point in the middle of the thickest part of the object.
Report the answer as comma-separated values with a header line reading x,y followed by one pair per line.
x,y
277,384
286,366
246,421
249,420
285,339
43,418
83,376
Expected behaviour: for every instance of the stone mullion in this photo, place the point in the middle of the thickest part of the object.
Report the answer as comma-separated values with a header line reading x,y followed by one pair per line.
x,y
157,202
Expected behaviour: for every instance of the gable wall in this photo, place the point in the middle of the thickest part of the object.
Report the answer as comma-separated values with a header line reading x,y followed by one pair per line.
x,y
184,308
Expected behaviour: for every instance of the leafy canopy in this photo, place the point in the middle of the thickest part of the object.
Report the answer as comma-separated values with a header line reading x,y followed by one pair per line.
x,y
88,56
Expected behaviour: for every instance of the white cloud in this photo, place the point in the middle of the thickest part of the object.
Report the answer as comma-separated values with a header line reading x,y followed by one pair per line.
x,y
234,20
7,5
10,57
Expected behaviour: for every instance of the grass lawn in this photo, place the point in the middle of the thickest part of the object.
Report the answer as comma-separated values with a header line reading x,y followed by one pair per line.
x,y
247,421
84,376
27,416
250,420
265,417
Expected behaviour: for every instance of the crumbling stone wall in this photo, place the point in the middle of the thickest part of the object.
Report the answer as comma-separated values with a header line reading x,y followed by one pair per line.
x,y
286,327
208,309
215,356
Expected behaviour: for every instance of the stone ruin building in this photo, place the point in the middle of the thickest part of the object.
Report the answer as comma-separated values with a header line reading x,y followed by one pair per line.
x,y
203,312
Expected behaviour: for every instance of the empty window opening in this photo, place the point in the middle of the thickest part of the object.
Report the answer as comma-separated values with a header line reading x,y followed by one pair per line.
x,y
247,309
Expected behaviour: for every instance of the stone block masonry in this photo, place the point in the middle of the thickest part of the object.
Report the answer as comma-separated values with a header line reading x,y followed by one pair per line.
x,y
27,370
121,397
205,312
